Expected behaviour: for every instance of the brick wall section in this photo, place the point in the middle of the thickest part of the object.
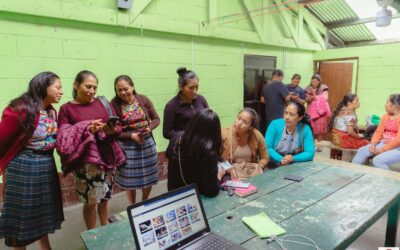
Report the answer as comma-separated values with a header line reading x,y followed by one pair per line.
x,y
68,190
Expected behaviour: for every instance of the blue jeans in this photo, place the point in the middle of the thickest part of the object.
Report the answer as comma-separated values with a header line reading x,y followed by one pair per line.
x,y
383,160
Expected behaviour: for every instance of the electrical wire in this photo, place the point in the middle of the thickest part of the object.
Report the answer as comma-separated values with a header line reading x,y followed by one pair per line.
x,y
283,240
251,11
241,15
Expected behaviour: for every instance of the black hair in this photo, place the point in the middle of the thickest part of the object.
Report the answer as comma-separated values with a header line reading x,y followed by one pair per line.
x,y
202,136
301,111
343,103
80,78
298,76
117,101
253,114
185,75
395,99
316,77
277,72
32,100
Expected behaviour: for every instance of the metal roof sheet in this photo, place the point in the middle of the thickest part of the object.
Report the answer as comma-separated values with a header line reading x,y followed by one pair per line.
x,y
331,12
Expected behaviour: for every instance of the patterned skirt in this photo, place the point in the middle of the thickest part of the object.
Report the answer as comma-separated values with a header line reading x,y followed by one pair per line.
x,y
93,185
32,202
141,169
344,140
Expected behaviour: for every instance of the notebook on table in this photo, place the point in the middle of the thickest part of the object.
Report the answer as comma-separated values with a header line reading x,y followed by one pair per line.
x,y
243,192
174,220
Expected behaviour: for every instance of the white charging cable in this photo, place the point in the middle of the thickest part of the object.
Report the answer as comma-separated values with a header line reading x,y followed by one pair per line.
x,y
284,239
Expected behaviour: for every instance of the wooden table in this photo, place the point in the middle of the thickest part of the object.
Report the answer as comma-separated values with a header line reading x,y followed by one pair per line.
x,y
332,205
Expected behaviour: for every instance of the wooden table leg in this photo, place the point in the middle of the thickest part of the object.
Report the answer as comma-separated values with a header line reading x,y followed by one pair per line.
x,y
391,227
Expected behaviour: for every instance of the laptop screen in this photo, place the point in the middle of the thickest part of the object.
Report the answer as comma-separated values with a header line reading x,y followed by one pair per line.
x,y
168,220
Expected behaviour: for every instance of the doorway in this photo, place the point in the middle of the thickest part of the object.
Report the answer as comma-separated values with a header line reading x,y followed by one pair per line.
x,y
338,75
257,72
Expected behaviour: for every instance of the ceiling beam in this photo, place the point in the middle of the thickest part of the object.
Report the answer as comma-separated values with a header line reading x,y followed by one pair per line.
x,y
257,22
212,10
286,19
335,40
354,22
139,7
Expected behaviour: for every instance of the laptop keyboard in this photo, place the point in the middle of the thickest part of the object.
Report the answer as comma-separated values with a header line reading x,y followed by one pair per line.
x,y
214,243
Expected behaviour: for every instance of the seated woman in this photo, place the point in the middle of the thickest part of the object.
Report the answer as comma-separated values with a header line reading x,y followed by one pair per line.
x,y
344,124
385,143
195,155
243,142
290,139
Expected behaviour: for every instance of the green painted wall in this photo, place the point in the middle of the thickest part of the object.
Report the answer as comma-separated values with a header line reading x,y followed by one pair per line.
x,y
30,44
284,24
378,74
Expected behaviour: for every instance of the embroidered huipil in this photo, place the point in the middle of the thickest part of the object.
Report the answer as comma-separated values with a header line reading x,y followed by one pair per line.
x,y
133,117
44,136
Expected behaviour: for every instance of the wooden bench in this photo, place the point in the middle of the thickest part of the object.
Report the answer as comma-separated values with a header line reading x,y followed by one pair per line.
x,y
338,153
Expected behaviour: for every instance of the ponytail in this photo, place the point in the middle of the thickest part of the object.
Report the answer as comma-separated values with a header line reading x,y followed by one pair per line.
x,y
335,114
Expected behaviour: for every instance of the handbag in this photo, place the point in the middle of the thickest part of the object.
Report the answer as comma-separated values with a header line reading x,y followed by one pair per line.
x,y
243,170
106,105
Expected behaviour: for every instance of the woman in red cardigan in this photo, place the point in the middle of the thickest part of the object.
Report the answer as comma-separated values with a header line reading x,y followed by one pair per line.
x,y
28,128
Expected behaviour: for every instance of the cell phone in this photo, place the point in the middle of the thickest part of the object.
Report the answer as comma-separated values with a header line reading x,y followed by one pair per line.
x,y
112,119
293,177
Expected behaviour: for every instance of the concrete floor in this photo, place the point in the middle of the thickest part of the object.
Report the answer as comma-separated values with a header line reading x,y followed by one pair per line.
x,y
69,237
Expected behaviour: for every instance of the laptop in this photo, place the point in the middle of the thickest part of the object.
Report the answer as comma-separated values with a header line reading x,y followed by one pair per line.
x,y
174,220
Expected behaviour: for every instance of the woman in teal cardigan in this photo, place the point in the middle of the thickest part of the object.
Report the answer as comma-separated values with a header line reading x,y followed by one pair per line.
x,y
290,139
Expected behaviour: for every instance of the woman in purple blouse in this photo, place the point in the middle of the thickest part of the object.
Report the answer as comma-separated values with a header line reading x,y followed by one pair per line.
x,y
180,109
92,183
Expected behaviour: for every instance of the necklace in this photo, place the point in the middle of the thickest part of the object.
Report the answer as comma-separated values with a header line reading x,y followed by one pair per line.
x,y
290,132
241,140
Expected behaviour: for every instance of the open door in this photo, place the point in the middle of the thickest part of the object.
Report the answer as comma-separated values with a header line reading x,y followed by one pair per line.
x,y
339,77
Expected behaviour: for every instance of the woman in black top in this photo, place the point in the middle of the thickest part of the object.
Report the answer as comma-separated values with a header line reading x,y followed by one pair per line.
x,y
195,155
180,109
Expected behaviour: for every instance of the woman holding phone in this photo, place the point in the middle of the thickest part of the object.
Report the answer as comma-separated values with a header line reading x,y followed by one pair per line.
x,y
139,119
94,169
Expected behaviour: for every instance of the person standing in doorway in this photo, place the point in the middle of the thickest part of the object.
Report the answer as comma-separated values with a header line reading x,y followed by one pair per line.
x,y
274,95
318,107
